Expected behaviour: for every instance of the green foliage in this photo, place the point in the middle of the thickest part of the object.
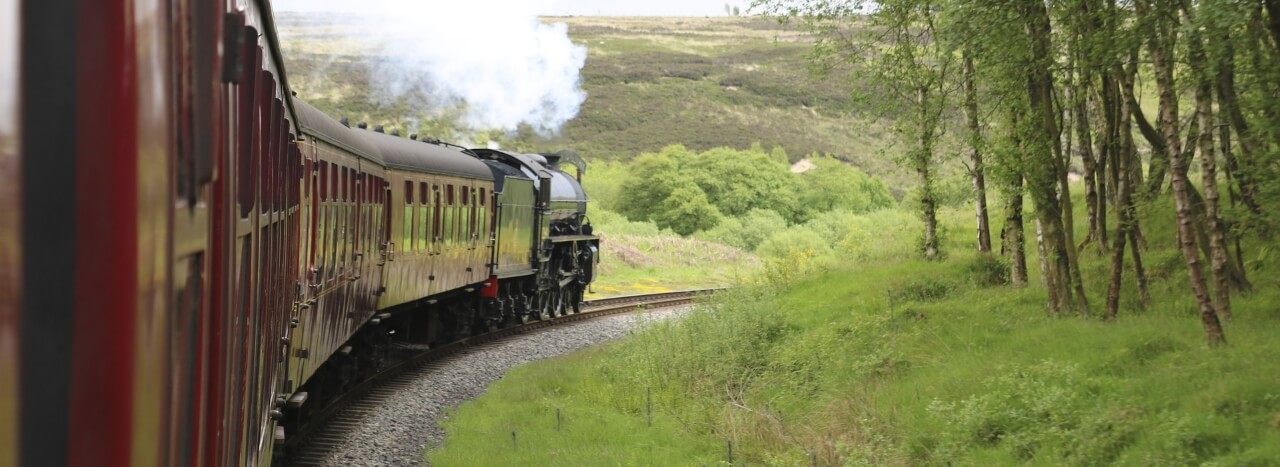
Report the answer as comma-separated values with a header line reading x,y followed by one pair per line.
x,y
754,187
747,232
686,210
737,181
987,270
603,184
651,179
832,186
920,289
795,240
879,236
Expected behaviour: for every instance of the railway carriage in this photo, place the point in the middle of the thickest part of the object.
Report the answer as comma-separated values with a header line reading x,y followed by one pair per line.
x,y
193,261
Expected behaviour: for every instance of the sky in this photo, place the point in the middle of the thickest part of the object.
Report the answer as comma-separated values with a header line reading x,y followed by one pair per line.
x,y
552,7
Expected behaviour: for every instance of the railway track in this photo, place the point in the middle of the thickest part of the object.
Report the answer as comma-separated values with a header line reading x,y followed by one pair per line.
x,y
315,441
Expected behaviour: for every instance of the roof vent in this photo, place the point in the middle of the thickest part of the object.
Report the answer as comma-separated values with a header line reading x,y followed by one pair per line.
x,y
345,122
395,132
362,126
378,129
413,136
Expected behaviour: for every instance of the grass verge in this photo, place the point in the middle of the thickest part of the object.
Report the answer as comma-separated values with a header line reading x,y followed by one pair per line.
x,y
901,362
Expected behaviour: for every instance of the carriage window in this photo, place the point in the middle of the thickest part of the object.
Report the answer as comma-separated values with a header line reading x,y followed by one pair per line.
x,y
407,229
464,194
422,217
324,175
342,186
335,183
482,198
448,194
435,223
474,217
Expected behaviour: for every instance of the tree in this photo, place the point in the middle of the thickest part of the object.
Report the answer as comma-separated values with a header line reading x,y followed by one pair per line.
x,y
654,177
977,171
833,185
687,211
900,59
1162,46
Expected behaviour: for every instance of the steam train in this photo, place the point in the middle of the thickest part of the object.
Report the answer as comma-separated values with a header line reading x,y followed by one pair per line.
x,y
194,260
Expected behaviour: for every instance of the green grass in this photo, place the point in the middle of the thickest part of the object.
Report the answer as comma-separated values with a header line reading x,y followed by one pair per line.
x,y
896,361
638,258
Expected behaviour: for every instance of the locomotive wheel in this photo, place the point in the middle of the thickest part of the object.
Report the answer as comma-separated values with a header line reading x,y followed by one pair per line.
x,y
546,306
561,309
576,297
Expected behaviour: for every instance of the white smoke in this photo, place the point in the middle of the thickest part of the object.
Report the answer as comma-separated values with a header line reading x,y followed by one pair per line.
x,y
492,61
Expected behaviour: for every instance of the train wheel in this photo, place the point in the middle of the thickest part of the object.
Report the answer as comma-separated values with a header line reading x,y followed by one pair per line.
x,y
575,296
562,302
546,306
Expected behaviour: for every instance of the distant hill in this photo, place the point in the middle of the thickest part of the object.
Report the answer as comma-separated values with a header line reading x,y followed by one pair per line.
x,y
701,82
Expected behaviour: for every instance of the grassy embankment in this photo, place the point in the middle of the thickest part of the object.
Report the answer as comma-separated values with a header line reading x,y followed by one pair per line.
x,y
882,359
638,258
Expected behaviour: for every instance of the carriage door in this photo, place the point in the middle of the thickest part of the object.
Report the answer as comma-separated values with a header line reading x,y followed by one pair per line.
x,y
382,196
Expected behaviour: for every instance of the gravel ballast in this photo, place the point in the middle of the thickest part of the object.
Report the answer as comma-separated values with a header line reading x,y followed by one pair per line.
x,y
398,432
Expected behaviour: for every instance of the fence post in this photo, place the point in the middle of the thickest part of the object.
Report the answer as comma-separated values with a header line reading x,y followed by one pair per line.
x,y
730,452
513,440
648,404
558,419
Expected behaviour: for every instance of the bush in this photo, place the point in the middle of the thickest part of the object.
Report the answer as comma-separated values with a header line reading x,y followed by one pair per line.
x,y
874,236
924,289
749,231
687,211
989,270
792,241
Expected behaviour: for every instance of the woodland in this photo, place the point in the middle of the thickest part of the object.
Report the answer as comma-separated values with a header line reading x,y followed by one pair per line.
x,y
1040,85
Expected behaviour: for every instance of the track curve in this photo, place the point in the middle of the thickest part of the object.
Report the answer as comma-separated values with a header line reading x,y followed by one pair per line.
x,y
315,441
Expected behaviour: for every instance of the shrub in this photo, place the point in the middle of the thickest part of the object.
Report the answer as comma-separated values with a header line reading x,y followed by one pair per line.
x,y
792,241
988,270
924,289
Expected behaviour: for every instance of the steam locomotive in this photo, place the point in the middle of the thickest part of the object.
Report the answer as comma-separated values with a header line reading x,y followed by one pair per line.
x,y
193,259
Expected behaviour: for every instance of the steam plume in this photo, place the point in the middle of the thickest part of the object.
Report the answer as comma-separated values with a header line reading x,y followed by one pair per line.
x,y
492,61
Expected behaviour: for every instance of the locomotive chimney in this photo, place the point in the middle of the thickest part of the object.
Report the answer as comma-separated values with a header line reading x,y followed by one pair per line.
x,y
378,129
413,136
345,122
362,126
395,132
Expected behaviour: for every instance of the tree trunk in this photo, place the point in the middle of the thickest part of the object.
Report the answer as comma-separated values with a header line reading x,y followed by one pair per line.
x,y
1219,258
975,157
1224,139
1118,241
1045,171
1105,195
1132,175
1163,62
1090,164
1013,241
1159,150
928,199
1273,19
1228,103
1209,173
